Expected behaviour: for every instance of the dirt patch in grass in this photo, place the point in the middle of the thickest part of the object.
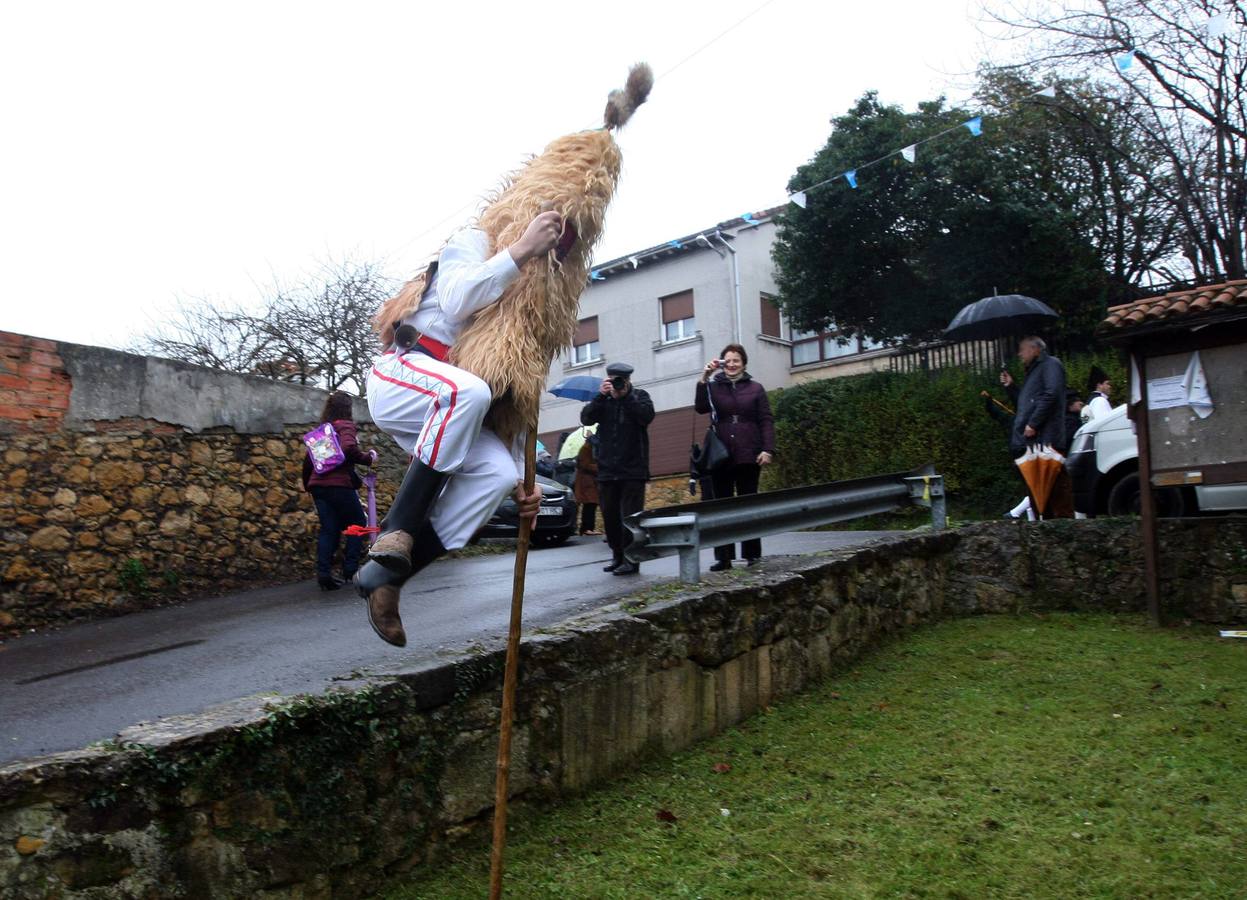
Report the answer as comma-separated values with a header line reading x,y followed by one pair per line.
x,y
1036,756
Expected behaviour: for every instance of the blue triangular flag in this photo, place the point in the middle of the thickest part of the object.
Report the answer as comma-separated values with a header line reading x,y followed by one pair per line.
x,y
851,177
748,217
1125,60
676,244
595,275
975,125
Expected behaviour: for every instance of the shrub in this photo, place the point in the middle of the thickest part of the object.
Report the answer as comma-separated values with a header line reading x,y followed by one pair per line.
x,y
883,422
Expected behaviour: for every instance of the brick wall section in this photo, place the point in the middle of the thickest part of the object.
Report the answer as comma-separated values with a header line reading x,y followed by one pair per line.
x,y
34,386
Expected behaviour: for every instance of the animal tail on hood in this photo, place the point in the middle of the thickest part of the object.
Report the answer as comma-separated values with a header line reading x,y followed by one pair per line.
x,y
621,104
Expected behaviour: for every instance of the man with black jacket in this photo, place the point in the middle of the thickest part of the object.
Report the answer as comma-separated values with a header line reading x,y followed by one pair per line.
x,y
622,414
1040,417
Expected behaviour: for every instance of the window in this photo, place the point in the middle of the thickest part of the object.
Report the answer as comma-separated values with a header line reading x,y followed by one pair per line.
x,y
770,316
678,321
585,346
817,346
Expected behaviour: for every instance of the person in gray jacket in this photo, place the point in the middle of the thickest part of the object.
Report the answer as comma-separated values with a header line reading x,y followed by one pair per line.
x,y
1040,417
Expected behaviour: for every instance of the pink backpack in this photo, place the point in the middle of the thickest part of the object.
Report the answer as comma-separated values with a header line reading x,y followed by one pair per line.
x,y
323,448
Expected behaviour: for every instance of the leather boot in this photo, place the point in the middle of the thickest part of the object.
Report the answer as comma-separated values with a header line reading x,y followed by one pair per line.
x,y
410,510
381,587
615,564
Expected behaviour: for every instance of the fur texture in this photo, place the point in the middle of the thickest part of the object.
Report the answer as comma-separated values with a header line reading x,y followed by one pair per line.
x,y
511,343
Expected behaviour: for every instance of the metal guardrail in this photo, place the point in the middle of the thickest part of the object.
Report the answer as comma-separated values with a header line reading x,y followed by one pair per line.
x,y
687,528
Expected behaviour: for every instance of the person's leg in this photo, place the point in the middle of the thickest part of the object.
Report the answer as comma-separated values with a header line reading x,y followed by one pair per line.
x,y
608,496
486,475
350,512
747,483
631,500
485,478
724,481
326,538
451,404
382,588
588,513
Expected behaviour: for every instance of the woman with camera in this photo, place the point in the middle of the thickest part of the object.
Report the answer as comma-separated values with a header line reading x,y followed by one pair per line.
x,y
744,423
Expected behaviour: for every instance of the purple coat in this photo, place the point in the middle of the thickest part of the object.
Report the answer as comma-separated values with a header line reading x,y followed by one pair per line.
x,y
745,421
342,475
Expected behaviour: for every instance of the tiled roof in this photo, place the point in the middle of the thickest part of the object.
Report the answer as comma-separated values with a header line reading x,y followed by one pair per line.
x,y
1175,306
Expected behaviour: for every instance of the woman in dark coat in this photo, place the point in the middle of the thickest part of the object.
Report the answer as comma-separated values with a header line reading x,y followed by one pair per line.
x,y
746,426
336,494
586,485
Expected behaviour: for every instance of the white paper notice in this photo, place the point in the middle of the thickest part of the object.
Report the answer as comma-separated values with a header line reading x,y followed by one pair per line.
x,y
1166,393
1196,384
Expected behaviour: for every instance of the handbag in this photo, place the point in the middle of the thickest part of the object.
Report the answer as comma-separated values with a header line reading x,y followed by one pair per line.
x,y
323,449
712,454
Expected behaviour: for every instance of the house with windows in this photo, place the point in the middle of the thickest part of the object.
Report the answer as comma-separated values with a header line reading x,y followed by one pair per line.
x,y
667,309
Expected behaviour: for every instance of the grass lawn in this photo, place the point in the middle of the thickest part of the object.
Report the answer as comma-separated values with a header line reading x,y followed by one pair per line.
x,y
1033,756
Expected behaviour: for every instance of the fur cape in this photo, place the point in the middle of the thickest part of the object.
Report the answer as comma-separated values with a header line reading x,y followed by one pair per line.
x,y
511,343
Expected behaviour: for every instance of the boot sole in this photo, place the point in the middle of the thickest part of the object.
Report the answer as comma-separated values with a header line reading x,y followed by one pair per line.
x,y
393,562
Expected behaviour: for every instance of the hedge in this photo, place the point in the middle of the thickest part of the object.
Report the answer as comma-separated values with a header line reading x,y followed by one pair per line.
x,y
882,422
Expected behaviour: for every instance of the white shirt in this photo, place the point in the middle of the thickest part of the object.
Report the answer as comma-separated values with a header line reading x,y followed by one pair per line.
x,y
1097,407
465,282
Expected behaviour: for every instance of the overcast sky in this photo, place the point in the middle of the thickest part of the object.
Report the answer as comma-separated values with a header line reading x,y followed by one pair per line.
x,y
157,153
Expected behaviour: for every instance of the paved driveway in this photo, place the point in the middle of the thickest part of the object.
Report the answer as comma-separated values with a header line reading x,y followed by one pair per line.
x,y
63,689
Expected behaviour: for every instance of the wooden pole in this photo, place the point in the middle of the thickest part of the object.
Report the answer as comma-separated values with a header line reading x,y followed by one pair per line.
x,y
1147,502
510,676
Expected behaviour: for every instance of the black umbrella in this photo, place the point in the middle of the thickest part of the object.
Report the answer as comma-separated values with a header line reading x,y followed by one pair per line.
x,y
994,317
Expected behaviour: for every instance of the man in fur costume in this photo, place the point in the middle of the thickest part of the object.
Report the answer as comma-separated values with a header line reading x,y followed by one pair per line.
x,y
468,344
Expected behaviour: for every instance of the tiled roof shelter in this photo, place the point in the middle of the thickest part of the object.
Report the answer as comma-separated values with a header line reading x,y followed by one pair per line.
x,y
1186,305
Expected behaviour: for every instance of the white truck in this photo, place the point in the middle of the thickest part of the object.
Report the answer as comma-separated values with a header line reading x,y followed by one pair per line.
x,y
1103,463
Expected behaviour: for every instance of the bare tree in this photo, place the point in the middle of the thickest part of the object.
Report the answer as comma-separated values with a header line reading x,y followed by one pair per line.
x,y
1179,68
316,332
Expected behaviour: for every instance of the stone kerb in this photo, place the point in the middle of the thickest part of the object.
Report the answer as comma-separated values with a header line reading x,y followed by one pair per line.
x,y
334,794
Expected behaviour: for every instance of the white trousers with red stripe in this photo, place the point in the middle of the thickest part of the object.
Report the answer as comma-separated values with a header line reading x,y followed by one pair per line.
x,y
434,411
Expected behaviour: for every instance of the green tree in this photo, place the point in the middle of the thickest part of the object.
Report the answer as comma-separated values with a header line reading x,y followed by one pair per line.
x,y
899,255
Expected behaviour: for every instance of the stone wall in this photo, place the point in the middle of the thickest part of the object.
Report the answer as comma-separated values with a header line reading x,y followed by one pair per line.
x,y
130,481
331,796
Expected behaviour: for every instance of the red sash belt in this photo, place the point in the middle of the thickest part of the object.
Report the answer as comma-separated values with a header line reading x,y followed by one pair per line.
x,y
435,349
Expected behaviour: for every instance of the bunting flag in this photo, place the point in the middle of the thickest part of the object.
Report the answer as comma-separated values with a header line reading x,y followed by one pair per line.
x,y
595,275
1216,25
909,152
748,217
851,177
635,262
975,125
676,244
1125,60
1049,91
798,198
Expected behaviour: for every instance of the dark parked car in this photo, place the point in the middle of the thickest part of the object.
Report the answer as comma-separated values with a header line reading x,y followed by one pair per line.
x,y
556,520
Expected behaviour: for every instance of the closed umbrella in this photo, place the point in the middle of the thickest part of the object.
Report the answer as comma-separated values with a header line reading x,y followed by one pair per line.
x,y
1004,316
1040,465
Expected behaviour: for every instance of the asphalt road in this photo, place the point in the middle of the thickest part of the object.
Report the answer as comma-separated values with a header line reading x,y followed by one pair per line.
x,y
64,689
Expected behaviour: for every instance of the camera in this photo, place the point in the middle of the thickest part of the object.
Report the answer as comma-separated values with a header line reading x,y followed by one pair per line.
x,y
721,363
619,382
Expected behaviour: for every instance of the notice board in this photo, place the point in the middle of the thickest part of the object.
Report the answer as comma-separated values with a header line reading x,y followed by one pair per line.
x,y
1180,437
